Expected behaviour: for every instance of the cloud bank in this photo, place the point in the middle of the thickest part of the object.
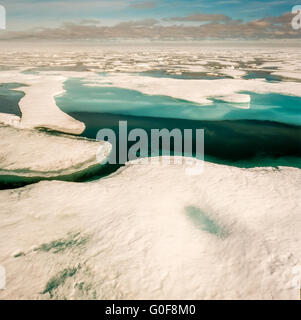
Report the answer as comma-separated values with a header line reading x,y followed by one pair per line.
x,y
201,17
206,26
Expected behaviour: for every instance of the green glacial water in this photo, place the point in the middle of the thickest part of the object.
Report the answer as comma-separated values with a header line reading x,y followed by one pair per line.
x,y
269,107
266,134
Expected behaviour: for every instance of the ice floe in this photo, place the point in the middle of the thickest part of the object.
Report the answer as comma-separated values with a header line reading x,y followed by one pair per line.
x,y
236,98
38,106
46,71
286,74
39,109
28,154
154,232
195,90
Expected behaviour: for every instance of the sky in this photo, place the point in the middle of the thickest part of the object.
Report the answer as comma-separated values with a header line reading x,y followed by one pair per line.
x,y
149,19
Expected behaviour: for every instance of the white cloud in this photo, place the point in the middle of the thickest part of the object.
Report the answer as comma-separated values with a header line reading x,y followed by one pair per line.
x,y
219,27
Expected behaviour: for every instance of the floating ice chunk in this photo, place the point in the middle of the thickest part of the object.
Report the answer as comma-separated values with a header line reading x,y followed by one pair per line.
x,y
34,154
38,106
237,99
39,109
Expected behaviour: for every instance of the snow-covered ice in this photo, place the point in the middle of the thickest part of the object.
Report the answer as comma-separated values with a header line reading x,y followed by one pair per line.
x,y
195,90
38,106
236,98
153,232
147,231
39,109
30,153
9,119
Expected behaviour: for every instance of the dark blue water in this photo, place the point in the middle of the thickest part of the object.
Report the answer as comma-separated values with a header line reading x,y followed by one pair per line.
x,y
9,98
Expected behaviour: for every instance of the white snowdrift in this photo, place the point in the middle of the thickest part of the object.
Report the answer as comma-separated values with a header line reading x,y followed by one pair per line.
x,y
151,232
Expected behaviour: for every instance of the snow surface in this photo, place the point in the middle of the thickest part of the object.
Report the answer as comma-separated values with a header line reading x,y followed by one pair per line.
x,y
30,153
9,119
38,107
154,232
195,90
147,231
291,75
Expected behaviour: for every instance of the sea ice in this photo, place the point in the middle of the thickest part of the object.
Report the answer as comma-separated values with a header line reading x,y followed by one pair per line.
x,y
33,154
132,235
39,109
126,237
38,106
195,90
9,119
235,98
